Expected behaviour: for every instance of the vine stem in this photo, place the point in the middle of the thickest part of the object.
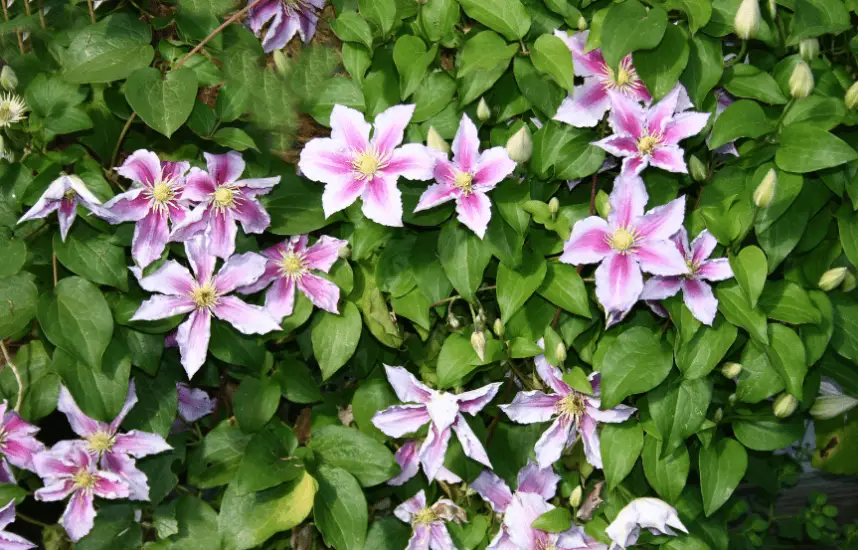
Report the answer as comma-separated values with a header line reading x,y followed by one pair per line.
x,y
17,33
91,11
121,137
456,297
215,32
53,261
18,379
42,14
28,519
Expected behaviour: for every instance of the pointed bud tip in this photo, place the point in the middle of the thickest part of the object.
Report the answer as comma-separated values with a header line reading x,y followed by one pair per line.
x,y
731,370
483,111
435,141
8,78
832,278
784,405
801,80
697,169
851,98
765,192
520,145
478,342
560,352
747,21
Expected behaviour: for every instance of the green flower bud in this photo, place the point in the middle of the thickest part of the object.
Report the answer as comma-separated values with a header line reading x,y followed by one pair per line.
x,y
435,141
575,497
849,282
483,111
344,252
553,206
808,49
784,405
801,81
520,145
478,342
8,78
765,192
697,168
731,370
498,328
851,98
582,23
560,352
747,21
603,204
829,406
832,278
281,63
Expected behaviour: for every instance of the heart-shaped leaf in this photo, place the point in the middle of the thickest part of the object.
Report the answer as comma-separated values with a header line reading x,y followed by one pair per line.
x,y
163,102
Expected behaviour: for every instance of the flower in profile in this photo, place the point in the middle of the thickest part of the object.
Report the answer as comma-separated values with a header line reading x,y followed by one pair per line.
x,y
284,18
441,410
650,513
290,264
468,178
651,135
573,413
408,458
68,469
13,109
592,99
193,403
224,200
8,540
63,195
352,165
115,451
18,444
626,244
152,204
723,100
696,293
427,522
204,294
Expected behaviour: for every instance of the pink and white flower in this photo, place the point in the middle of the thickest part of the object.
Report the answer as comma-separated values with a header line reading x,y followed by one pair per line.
x,y
290,264
408,458
573,413
592,100
9,540
69,470
204,294
468,178
352,165
193,403
286,17
63,195
696,293
153,204
427,522
18,444
441,410
645,136
627,243
116,452
224,200
650,513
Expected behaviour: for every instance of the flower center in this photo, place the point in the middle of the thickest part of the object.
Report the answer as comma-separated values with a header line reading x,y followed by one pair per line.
x,y
5,113
623,240
623,78
572,405
204,296
545,544
224,196
692,269
424,517
162,192
366,164
83,479
100,442
465,182
647,144
69,195
292,264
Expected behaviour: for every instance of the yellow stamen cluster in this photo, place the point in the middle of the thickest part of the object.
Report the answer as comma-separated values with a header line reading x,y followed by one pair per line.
x,y
366,164
162,192
623,78
424,517
83,480
571,405
69,194
224,197
465,182
292,265
204,296
647,144
101,442
545,544
623,240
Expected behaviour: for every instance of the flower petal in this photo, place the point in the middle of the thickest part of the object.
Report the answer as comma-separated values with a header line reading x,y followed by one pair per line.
x,y
55,489
247,319
284,27
340,194
492,167
627,201
221,233
80,423
715,270
193,223
252,215
131,478
419,538
66,215
142,167
325,160
127,405
139,444
589,242
550,374
390,127
398,420
471,445
199,186
440,537
590,438
225,168
466,145
151,235
435,194
698,296
684,125
661,114
553,441
433,450
659,288
411,507
493,490
382,201
660,223
408,389
521,513
239,270
661,258
409,463
20,450
587,106
474,211
79,515
474,401
324,253
201,260
627,116
542,481
619,146
633,166
7,514
680,239
161,307
618,282
586,63
193,403
323,293
702,246
129,206
280,299
412,161
531,406
348,126
618,414
670,158
193,339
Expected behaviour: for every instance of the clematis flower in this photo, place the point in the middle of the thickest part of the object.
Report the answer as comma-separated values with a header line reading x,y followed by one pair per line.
x,y
13,109
408,458
286,17
224,201
723,100
8,540
290,264
592,100
152,204
442,410
203,295
193,403
427,522
573,413
651,135
651,513
468,178
69,470
63,195
628,242
115,451
352,165
17,444
696,293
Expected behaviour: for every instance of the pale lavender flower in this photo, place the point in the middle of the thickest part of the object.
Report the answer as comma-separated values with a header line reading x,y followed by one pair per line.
x,y
193,403
352,165
408,458
645,136
286,17
427,522
69,470
63,195
592,99
153,204
573,413
115,451
8,540
291,264
723,100
696,293
468,178
627,243
441,410
17,443
650,513
224,200
203,295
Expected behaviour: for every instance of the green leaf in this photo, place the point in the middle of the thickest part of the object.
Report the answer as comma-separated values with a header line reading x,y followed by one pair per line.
x,y
356,60
621,446
387,533
371,396
297,383
665,472
733,303
847,224
564,288
339,509
551,56
76,317
768,434
335,338
438,17
661,66
99,393
508,17
376,314
704,68
629,27
806,148
485,51
412,62
256,401
15,256
41,383
744,118
553,521
789,186
381,13
456,360
295,205
216,459
93,256
516,286
157,403
698,12
824,112
637,362
109,50
678,408
430,99
267,460
349,26
817,337
18,304
234,138
786,354
750,269
543,94
231,346
787,302
705,350
197,525
758,379
722,466
464,258
360,455
818,17
163,102
114,529
748,81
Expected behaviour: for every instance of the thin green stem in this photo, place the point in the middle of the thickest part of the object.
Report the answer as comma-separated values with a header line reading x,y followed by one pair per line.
x,y
14,369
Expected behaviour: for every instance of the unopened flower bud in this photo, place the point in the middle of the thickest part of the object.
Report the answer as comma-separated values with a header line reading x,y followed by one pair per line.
x,y
478,342
718,416
483,111
553,206
281,63
435,141
801,81
773,8
603,204
731,370
784,405
452,320
832,278
697,168
808,49
828,406
560,352
582,23
8,78
520,145
498,328
732,398
851,98
765,192
747,21
849,282
575,497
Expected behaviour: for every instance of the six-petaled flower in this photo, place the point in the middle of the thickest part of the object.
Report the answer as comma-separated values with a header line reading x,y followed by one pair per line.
x,y
428,529
284,18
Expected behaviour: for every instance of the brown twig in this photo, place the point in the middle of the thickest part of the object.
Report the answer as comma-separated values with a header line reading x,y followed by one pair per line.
x,y
593,194
91,11
11,365
215,32
17,33
53,260
119,140
42,14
